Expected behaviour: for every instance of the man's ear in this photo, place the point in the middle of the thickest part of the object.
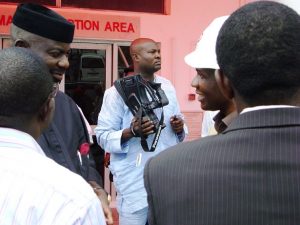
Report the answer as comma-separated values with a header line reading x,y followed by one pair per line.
x,y
135,57
21,43
224,84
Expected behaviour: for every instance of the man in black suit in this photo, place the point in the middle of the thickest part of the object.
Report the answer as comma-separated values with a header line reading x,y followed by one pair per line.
x,y
250,173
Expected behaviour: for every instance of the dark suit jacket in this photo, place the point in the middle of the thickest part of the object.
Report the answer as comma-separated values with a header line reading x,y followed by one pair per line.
x,y
249,174
64,136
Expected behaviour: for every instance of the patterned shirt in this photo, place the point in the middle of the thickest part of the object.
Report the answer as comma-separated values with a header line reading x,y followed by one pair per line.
x,y
36,190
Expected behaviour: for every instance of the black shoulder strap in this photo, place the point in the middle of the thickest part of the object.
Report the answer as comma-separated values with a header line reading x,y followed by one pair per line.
x,y
120,90
126,87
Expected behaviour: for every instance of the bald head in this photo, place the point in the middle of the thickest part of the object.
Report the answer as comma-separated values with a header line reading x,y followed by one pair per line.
x,y
138,44
145,54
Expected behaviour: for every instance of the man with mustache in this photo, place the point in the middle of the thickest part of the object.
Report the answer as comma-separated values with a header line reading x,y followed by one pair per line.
x,y
49,35
118,133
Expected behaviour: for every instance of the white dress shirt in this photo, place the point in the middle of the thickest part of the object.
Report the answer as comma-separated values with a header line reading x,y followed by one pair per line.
x,y
36,190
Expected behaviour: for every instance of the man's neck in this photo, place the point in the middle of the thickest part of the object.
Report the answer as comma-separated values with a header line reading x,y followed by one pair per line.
x,y
147,76
228,109
24,124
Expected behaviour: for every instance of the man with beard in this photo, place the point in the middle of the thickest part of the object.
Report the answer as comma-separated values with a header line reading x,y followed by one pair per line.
x,y
49,35
118,133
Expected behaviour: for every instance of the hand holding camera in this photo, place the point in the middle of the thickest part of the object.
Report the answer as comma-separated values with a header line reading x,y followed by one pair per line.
x,y
142,97
146,127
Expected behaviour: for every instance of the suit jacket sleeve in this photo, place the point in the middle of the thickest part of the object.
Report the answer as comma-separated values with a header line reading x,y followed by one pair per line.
x,y
147,183
61,144
93,174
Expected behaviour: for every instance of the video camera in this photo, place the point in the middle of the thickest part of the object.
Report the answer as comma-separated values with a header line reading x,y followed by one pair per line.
x,y
142,97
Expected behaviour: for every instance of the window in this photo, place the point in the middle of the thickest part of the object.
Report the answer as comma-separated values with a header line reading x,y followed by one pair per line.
x,y
43,2
85,80
125,66
150,6
92,62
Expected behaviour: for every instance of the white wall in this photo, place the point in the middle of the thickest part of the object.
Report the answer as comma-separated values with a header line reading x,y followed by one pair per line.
x,y
178,34
294,4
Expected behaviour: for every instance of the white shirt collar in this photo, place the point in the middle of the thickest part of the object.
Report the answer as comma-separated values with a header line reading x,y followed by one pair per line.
x,y
265,107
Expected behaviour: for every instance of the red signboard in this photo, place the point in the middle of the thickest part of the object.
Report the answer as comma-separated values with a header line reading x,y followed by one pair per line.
x,y
89,24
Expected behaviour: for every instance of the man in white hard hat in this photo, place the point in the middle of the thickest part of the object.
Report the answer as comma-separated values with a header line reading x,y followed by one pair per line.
x,y
204,60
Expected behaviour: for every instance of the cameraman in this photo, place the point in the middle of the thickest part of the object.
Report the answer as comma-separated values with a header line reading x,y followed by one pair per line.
x,y
117,130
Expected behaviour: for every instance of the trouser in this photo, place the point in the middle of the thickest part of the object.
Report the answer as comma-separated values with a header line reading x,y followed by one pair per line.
x,y
136,218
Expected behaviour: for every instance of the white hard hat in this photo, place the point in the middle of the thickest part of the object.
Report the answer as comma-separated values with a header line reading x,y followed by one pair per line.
x,y
204,56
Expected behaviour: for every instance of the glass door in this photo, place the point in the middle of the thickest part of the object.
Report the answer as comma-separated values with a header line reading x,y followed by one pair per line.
x,y
88,76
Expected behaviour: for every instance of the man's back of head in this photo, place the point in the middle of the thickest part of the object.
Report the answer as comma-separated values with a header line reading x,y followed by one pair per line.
x,y
258,49
35,190
250,173
24,88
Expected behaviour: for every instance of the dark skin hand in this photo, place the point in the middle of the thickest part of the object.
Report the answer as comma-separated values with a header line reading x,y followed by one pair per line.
x,y
177,124
148,127
101,193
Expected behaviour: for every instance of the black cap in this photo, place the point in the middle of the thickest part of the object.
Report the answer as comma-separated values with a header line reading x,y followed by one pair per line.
x,y
44,22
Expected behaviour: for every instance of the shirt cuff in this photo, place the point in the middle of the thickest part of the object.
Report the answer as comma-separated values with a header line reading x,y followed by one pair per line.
x,y
181,136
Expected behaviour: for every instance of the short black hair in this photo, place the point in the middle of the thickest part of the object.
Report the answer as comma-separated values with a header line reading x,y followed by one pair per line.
x,y
25,82
258,49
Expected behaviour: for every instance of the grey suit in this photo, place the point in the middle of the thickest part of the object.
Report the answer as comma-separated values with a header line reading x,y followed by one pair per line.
x,y
249,174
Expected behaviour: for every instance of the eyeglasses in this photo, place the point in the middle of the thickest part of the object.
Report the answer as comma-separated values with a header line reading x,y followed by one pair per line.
x,y
54,91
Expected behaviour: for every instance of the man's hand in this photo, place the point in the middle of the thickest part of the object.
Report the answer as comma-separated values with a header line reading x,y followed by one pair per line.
x,y
102,195
177,124
147,126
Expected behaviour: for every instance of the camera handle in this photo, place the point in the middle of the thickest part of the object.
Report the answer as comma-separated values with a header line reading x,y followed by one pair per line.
x,y
129,88
144,143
